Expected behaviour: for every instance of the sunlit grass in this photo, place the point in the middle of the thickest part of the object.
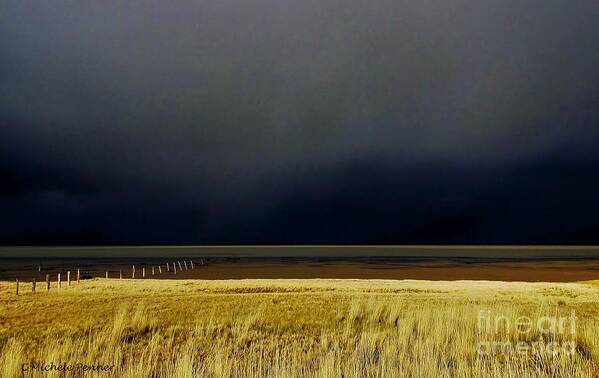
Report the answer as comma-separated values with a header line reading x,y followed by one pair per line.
x,y
290,328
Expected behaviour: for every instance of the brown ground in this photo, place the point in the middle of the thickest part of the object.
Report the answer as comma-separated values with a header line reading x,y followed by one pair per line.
x,y
527,270
531,271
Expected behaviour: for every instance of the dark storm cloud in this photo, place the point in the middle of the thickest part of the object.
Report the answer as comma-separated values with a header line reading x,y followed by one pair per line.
x,y
312,121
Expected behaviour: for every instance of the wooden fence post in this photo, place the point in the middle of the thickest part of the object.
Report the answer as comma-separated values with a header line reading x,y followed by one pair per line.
x,y
159,269
33,285
69,278
120,274
17,286
59,282
143,272
185,264
174,268
179,262
133,274
191,262
153,270
168,269
106,274
78,275
47,282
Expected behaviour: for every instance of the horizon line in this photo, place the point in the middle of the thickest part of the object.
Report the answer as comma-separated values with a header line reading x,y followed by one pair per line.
x,y
463,246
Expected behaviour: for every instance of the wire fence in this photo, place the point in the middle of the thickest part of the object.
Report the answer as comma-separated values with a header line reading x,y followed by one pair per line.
x,y
67,277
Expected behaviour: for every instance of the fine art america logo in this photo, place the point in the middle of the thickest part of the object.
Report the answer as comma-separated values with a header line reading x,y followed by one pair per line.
x,y
550,335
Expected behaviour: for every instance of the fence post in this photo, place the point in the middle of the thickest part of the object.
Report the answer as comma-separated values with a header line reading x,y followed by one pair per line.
x,y
159,269
168,269
106,274
143,272
33,286
185,264
47,282
39,268
153,270
191,262
59,282
78,275
133,274
69,278
174,268
17,286
120,274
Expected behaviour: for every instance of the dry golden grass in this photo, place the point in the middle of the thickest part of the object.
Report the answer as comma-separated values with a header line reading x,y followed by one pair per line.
x,y
291,328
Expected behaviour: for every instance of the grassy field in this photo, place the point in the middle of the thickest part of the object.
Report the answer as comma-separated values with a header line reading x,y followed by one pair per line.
x,y
290,328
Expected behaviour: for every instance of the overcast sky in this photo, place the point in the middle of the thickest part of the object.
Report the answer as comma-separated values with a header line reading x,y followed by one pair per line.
x,y
316,121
